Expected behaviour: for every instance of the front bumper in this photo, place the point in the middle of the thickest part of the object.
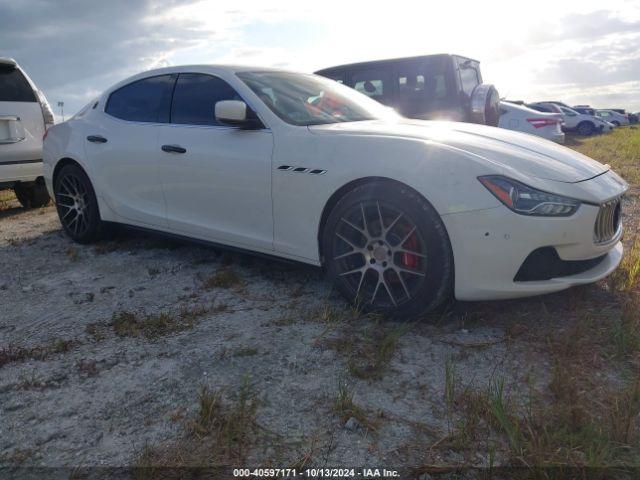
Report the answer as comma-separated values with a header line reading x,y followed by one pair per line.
x,y
490,246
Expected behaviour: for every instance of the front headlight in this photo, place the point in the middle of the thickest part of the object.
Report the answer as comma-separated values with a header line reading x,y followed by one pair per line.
x,y
528,201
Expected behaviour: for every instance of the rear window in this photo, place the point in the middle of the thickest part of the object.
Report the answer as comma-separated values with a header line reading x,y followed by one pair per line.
x,y
422,79
14,87
146,100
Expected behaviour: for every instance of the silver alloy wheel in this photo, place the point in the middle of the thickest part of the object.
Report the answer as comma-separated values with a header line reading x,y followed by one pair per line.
x,y
385,254
72,198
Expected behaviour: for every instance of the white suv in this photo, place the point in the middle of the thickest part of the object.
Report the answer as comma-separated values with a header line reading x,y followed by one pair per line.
x,y
25,116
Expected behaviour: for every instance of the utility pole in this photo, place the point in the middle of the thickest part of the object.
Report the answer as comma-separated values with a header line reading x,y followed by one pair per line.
x,y
61,105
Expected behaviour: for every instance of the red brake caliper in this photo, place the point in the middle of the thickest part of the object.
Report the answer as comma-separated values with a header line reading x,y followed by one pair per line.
x,y
409,260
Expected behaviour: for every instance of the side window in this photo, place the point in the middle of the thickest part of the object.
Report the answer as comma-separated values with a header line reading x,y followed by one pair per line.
x,y
373,83
426,81
14,87
145,100
195,97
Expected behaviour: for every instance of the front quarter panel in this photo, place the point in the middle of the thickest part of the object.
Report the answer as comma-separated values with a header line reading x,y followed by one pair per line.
x,y
445,176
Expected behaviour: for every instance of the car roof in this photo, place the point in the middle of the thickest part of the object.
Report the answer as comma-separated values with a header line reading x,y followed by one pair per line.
x,y
524,108
212,66
392,60
8,61
214,69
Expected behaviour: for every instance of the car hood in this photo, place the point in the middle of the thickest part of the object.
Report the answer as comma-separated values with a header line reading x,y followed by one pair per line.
x,y
526,154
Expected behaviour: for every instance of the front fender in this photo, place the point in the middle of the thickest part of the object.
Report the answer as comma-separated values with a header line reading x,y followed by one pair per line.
x,y
444,175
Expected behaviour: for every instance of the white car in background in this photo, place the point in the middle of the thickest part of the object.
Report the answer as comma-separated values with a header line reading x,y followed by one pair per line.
x,y
613,117
582,123
25,116
401,213
573,121
524,119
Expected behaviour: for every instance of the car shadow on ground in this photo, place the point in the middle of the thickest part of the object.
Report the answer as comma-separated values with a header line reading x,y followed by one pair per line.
x,y
11,212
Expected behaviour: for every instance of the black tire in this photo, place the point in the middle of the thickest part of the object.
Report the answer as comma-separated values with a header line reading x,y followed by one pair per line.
x,y
32,195
77,205
616,123
585,128
409,287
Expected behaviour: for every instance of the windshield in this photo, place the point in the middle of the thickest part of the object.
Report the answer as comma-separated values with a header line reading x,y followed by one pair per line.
x,y
302,99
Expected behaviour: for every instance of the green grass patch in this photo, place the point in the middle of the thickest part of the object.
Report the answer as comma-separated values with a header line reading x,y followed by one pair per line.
x,y
620,149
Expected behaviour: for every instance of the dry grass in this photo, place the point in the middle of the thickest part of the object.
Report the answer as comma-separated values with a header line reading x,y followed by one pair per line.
x,y
72,254
346,408
224,278
245,352
32,382
7,199
625,278
15,353
87,368
221,432
154,325
367,342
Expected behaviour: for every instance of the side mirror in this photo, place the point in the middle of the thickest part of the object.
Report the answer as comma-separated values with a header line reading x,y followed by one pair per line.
x,y
236,113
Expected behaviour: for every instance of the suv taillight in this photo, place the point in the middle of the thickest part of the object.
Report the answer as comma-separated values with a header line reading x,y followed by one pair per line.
x,y
542,122
47,113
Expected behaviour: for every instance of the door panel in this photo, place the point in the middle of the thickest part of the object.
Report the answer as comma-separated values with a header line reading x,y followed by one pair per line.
x,y
121,146
220,188
125,169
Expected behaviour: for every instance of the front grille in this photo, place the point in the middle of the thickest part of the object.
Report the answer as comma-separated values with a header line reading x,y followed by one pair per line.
x,y
607,221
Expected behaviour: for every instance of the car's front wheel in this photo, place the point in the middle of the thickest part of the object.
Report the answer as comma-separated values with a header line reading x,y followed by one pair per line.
x,y
77,205
387,250
32,195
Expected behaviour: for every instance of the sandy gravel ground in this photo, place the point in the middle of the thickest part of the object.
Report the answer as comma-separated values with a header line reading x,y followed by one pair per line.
x,y
81,392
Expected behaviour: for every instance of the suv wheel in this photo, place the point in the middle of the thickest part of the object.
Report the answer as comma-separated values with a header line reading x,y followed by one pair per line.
x,y
77,205
32,195
585,128
387,250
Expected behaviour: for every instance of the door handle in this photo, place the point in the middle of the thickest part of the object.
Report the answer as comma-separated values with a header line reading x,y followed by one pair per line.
x,y
96,139
173,149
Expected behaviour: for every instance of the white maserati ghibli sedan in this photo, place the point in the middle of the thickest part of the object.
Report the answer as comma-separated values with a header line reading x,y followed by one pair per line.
x,y
402,214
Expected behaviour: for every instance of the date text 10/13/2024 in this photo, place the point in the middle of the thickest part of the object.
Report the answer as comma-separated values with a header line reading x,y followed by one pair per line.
x,y
315,473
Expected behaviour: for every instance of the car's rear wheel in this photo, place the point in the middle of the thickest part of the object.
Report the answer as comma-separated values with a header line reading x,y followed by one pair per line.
x,y
32,195
77,205
585,128
387,250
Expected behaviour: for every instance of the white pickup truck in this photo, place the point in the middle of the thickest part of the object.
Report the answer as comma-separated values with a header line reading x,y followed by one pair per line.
x,y
25,116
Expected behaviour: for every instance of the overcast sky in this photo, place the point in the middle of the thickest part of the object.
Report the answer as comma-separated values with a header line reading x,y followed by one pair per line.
x,y
576,51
